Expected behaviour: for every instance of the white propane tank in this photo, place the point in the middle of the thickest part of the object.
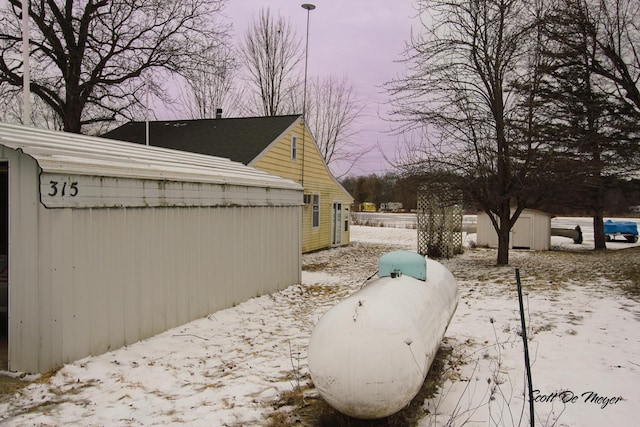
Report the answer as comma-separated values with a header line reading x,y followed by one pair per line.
x,y
369,355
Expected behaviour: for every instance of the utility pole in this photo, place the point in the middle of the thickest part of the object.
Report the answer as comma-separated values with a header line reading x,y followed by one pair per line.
x,y
308,7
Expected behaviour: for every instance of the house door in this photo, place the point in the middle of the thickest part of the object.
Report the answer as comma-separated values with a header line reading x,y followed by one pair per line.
x,y
4,265
336,224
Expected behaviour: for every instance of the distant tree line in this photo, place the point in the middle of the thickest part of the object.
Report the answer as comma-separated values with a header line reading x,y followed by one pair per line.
x,y
380,189
619,197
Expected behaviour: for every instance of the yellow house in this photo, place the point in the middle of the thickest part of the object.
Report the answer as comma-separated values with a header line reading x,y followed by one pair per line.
x,y
280,145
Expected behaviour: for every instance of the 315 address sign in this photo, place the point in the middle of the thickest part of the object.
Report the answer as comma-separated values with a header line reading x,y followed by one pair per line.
x,y
62,189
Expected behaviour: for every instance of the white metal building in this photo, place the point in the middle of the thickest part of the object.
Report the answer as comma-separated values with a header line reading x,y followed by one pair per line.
x,y
109,242
532,230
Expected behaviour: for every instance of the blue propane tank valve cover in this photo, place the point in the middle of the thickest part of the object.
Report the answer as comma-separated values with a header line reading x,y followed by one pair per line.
x,y
408,263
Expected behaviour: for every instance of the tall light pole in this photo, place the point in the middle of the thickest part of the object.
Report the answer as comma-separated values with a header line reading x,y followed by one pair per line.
x,y
308,7
26,78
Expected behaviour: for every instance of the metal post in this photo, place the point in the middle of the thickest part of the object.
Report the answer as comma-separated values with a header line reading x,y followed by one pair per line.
x,y
146,111
526,349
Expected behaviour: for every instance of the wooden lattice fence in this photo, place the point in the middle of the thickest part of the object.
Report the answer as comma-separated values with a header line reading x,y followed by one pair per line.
x,y
439,220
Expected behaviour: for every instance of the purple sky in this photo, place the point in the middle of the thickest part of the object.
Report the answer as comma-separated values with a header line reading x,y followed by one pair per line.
x,y
359,39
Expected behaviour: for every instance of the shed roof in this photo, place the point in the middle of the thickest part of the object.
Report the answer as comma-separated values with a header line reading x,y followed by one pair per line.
x,y
240,139
59,152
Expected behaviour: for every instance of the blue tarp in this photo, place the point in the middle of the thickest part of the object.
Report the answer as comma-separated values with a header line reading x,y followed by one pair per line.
x,y
620,227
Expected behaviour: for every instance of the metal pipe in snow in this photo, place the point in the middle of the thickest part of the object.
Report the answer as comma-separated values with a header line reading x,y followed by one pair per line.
x,y
527,362
369,354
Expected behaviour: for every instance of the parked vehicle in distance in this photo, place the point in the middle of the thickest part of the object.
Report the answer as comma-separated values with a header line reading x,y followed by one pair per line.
x,y
626,229
367,207
391,207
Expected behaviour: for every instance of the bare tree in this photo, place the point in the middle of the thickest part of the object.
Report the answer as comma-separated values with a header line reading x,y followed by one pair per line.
x,y
333,111
12,97
614,27
271,54
460,90
88,57
212,87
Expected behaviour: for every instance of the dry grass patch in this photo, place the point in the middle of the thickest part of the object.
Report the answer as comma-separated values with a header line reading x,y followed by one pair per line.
x,y
10,385
323,290
301,408
318,266
552,270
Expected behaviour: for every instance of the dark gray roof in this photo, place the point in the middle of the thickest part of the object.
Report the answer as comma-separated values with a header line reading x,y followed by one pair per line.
x,y
239,139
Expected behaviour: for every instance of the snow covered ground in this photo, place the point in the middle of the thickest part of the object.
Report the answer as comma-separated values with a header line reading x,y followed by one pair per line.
x,y
230,368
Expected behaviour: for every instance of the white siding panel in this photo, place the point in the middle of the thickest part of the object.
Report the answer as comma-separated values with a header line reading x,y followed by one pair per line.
x,y
536,234
81,191
146,271
24,257
542,234
57,256
121,275
48,296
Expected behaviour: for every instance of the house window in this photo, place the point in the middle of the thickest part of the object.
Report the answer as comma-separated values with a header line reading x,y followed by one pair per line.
x,y
315,213
346,220
294,148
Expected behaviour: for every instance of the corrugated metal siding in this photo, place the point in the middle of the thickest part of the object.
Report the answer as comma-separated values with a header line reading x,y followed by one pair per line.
x,y
111,277
84,191
25,290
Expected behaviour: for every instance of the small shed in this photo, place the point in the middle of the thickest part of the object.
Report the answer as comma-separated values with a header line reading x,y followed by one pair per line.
x,y
109,242
532,230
